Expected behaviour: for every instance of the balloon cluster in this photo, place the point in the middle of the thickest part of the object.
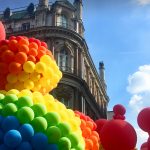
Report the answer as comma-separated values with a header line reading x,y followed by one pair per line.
x,y
13,135
46,115
27,64
144,123
28,73
88,127
116,134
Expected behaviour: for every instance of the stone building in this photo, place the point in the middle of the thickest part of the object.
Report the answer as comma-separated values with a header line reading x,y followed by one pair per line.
x,y
60,25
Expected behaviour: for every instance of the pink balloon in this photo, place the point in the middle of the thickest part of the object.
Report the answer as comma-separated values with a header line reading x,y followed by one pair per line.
x,y
119,109
2,32
143,119
118,135
144,146
100,123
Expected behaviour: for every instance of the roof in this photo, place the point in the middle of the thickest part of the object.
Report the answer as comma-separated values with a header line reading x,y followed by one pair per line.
x,y
65,3
17,15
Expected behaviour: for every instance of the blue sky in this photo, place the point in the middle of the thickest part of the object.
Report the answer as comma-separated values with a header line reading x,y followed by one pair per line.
x,y
118,33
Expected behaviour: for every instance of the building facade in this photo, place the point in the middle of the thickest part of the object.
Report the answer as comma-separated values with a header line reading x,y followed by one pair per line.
x,y
60,25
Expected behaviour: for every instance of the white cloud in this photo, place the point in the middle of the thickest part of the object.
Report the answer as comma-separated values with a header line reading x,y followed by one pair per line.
x,y
143,2
142,136
139,82
139,88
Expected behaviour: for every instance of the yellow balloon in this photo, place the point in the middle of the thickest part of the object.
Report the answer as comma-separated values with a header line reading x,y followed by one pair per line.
x,y
37,97
44,82
40,67
13,91
23,76
48,73
46,59
25,92
37,86
35,76
11,78
48,97
28,84
29,67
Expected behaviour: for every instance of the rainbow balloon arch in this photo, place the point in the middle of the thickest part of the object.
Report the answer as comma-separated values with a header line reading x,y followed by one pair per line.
x,y
32,119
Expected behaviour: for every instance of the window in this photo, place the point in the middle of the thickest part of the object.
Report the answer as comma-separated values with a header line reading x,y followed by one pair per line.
x,y
62,21
64,94
63,60
25,26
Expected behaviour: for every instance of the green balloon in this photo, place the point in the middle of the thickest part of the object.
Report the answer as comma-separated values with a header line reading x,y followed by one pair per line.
x,y
65,128
74,138
11,98
79,147
39,110
9,109
54,134
25,115
2,96
39,124
52,118
24,101
64,144
1,107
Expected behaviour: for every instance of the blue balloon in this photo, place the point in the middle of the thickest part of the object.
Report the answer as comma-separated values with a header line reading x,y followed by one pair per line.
x,y
52,147
4,147
12,138
24,146
26,131
1,119
1,136
39,141
10,123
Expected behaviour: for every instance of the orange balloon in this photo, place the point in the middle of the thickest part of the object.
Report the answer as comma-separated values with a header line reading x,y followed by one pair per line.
x,y
15,67
33,45
42,48
13,45
89,124
41,53
23,41
83,124
33,51
7,56
24,48
94,139
94,133
96,146
86,132
31,58
3,68
3,48
21,57
88,144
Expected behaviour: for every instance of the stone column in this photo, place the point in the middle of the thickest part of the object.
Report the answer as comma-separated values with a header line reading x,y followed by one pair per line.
x,y
76,61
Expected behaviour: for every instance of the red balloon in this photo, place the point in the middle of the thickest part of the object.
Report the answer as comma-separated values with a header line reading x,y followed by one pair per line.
x,y
100,123
144,146
119,109
144,119
2,32
118,135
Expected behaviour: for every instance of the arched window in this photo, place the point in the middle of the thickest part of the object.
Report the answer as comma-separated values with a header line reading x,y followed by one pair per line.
x,y
62,21
63,59
64,94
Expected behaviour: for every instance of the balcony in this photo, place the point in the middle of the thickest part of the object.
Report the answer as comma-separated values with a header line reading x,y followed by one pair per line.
x,y
66,69
11,30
